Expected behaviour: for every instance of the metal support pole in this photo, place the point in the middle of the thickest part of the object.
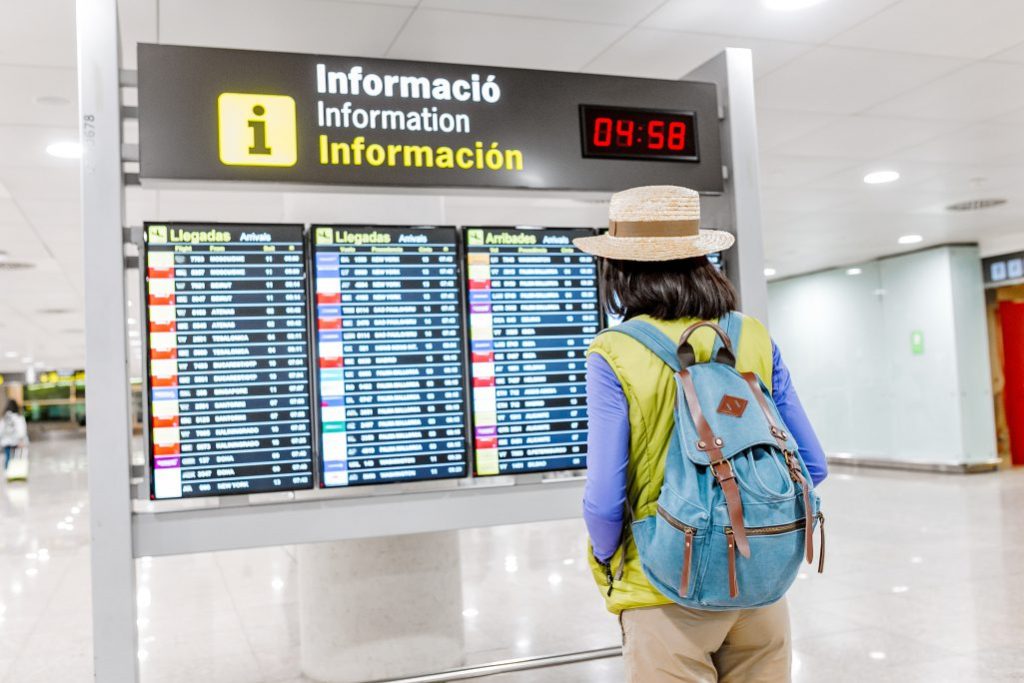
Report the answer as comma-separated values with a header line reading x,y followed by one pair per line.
x,y
108,440
740,205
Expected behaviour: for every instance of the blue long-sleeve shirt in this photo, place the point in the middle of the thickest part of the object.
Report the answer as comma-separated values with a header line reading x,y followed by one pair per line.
x,y
604,499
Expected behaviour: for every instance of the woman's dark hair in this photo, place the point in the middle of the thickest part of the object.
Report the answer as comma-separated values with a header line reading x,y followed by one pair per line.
x,y
13,407
668,290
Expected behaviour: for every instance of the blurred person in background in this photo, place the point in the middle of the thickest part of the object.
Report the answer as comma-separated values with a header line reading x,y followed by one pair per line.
x,y
13,431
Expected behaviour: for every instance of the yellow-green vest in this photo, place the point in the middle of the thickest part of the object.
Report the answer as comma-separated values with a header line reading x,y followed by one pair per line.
x,y
650,389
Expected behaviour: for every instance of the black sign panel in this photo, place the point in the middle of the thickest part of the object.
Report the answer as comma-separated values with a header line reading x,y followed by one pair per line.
x,y
391,356
1005,269
228,359
212,114
533,311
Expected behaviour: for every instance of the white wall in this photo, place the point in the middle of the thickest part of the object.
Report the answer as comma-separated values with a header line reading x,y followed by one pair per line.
x,y
847,341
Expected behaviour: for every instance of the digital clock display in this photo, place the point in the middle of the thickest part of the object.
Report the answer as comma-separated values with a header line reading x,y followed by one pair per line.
x,y
625,133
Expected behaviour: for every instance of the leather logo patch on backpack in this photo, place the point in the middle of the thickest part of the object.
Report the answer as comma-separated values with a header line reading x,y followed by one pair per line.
x,y
732,405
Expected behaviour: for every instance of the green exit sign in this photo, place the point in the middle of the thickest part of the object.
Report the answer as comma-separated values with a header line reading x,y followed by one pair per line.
x,y
917,342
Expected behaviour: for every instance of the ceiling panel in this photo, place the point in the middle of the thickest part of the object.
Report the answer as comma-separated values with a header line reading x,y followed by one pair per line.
x,y
866,137
971,179
954,28
310,26
804,200
433,35
784,171
38,33
1014,54
22,85
847,81
972,144
852,177
751,18
44,214
655,53
137,22
1005,241
977,92
597,11
26,146
777,127
10,214
30,182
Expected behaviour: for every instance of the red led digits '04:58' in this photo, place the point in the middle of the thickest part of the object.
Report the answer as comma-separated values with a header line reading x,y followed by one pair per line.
x,y
615,132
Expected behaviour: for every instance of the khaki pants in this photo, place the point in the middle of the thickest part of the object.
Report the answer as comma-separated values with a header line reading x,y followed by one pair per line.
x,y
673,643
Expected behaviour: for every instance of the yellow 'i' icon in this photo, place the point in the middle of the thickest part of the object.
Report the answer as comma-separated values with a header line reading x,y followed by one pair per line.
x,y
256,130
259,132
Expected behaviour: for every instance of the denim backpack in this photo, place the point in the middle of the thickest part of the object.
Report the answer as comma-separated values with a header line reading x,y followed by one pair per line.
x,y
734,483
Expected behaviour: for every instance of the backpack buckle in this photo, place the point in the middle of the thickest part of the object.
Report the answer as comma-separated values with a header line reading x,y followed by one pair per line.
x,y
718,475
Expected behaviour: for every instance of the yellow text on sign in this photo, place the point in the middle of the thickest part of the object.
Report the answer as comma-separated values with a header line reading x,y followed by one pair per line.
x,y
256,130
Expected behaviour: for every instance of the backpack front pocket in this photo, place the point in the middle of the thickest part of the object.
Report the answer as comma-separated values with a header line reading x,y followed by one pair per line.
x,y
669,547
731,581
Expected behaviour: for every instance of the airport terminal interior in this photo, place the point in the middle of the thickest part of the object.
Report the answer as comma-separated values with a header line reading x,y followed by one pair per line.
x,y
297,299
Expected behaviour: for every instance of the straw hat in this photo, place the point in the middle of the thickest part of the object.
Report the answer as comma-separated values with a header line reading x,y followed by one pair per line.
x,y
655,223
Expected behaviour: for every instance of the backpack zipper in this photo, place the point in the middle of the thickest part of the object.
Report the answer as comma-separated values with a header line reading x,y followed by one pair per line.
x,y
664,514
689,532
771,530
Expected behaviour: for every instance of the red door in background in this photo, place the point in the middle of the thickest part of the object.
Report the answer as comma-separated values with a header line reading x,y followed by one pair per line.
x,y
1011,315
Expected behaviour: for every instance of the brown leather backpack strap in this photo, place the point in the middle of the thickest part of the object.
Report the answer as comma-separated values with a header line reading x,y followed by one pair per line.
x,y
687,356
722,468
821,544
791,463
685,338
684,579
734,587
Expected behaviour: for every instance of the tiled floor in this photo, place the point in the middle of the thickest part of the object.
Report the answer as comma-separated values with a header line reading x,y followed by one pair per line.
x,y
924,583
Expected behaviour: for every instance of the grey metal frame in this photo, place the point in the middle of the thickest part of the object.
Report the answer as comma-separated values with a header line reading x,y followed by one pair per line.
x,y
121,534
108,441
738,209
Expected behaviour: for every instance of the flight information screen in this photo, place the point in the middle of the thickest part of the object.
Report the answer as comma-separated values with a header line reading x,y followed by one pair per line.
x,y
228,359
390,353
533,312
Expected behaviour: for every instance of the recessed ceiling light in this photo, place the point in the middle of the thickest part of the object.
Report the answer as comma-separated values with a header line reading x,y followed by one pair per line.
x,y
790,5
854,271
52,100
65,150
910,239
11,354
879,177
769,272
